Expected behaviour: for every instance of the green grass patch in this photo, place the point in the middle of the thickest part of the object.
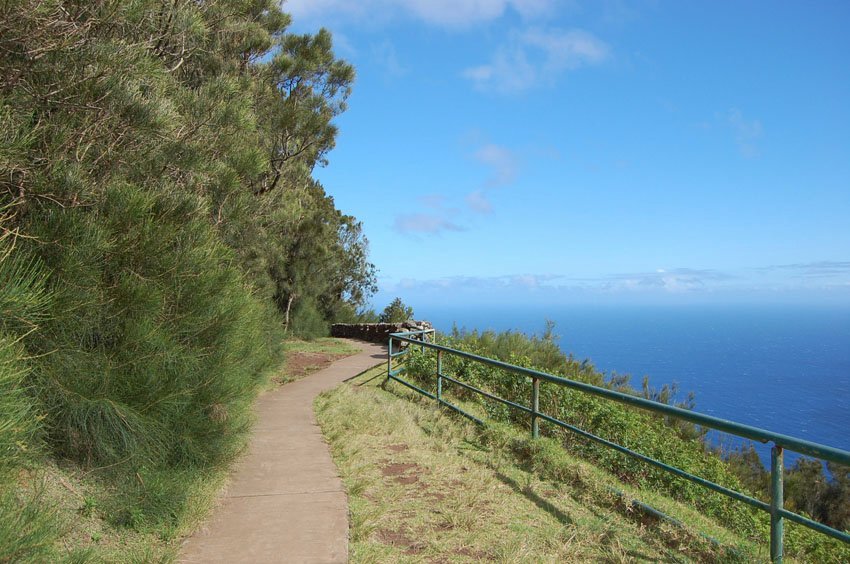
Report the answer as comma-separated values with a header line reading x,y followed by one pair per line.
x,y
325,345
425,485
303,357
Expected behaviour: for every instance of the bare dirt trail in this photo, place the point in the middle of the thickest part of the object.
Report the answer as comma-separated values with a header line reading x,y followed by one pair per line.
x,y
285,502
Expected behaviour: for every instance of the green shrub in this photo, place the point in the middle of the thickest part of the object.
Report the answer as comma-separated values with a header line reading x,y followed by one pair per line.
x,y
652,435
307,321
155,346
28,527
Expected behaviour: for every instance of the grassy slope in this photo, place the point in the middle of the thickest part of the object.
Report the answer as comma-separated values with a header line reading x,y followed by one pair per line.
x,y
86,506
424,486
306,357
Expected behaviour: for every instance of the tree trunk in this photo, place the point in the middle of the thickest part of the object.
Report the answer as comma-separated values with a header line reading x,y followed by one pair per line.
x,y
286,315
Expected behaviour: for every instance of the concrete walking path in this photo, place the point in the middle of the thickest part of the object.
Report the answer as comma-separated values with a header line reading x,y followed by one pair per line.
x,y
285,502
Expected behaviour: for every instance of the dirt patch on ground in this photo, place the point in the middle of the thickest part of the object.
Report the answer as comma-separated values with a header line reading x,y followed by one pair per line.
x,y
400,469
399,539
398,448
300,364
404,473
435,496
474,554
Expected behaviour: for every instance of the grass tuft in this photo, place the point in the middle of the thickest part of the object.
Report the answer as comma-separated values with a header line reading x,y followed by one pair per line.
x,y
425,485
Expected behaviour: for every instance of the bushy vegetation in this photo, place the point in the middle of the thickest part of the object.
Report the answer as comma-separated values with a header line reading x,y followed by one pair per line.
x,y
396,312
669,441
160,232
825,496
425,486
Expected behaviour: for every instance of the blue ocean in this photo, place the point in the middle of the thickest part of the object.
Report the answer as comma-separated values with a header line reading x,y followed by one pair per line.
x,y
785,369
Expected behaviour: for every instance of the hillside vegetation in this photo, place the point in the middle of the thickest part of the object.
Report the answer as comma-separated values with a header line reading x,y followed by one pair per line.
x,y
160,232
424,485
673,442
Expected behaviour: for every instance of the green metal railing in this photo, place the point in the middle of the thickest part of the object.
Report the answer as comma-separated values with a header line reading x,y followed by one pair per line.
x,y
775,508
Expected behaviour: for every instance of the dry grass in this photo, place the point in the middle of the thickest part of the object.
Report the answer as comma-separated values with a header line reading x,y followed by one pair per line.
x,y
425,486
302,358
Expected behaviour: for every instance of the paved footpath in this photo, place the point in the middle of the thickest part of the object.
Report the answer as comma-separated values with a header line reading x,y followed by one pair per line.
x,y
285,502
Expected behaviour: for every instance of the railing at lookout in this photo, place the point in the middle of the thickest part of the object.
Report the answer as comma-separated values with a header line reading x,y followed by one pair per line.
x,y
775,507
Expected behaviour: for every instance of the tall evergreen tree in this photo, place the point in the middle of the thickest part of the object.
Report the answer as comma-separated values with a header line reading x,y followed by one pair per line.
x,y
156,164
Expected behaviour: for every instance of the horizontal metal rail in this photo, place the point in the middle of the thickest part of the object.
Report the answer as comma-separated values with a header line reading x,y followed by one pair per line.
x,y
746,431
487,394
774,508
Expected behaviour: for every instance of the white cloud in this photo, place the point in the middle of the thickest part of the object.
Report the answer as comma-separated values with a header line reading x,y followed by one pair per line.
x,y
475,284
747,132
504,167
425,223
478,202
386,56
675,280
536,56
444,13
343,45
820,269
828,279
567,50
501,160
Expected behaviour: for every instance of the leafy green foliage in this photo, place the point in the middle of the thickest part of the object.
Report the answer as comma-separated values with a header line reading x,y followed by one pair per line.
x,y
27,528
658,437
167,346
396,312
823,496
160,229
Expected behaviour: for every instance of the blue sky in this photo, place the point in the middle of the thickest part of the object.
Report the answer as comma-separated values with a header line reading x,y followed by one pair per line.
x,y
553,152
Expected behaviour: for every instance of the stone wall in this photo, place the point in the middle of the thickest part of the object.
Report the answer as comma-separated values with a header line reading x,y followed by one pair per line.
x,y
376,332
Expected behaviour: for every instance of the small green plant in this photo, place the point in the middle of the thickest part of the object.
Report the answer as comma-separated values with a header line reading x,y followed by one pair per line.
x,y
89,507
136,518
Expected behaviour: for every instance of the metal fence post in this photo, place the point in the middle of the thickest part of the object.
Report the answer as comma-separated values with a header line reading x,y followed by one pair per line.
x,y
535,406
439,376
389,359
776,503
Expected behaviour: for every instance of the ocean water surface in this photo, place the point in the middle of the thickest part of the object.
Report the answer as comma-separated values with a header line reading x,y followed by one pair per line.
x,y
785,369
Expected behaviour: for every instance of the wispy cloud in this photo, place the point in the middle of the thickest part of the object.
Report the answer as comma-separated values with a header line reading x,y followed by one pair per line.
x,y
819,269
502,161
676,280
438,212
436,216
424,223
830,278
504,167
537,56
479,283
747,132
443,13
478,202
387,58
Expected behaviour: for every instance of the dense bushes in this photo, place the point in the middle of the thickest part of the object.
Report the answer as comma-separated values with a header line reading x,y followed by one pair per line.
x,y
165,345
671,442
161,231
26,528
